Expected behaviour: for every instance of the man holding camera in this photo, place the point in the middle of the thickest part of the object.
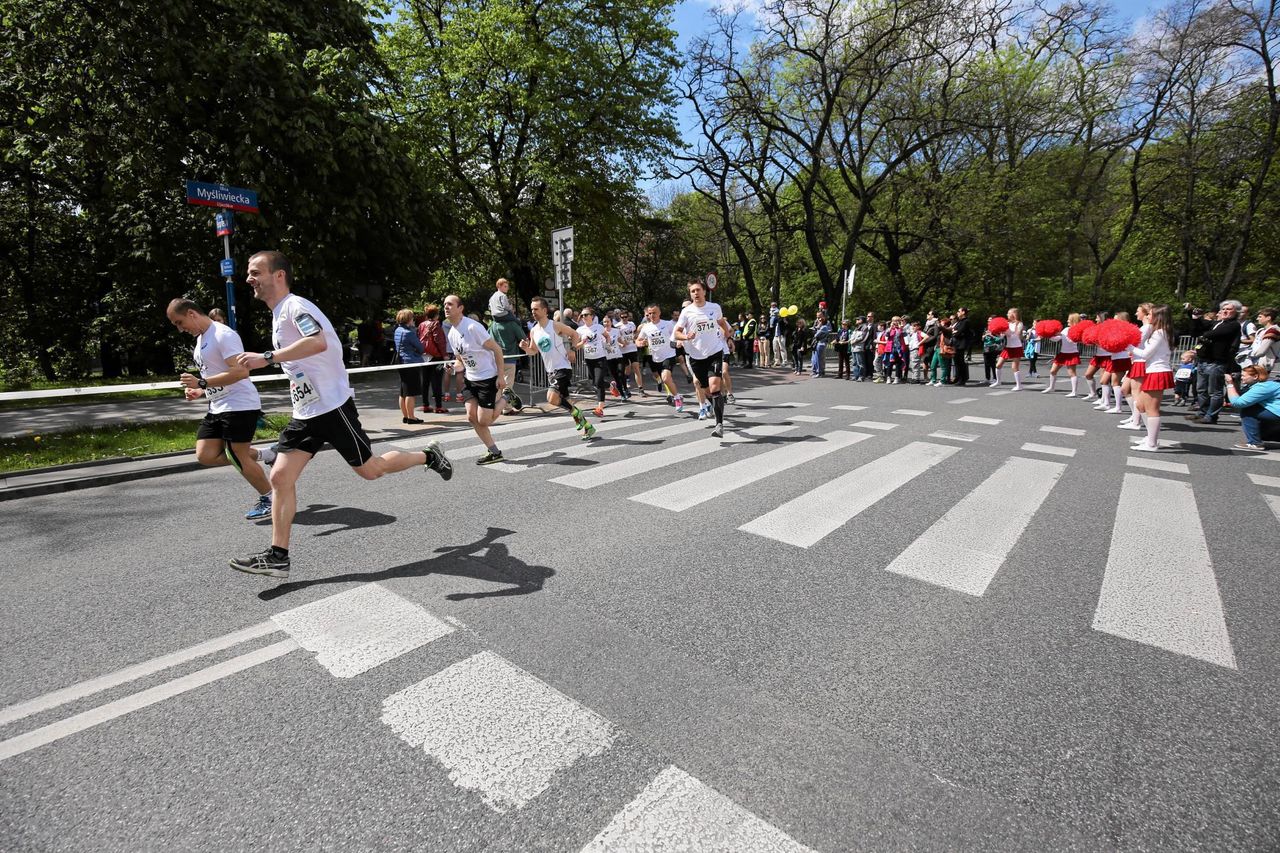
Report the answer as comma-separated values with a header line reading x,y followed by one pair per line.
x,y
1218,341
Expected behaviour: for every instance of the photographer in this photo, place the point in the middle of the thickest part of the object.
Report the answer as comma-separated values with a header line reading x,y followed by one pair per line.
x,y
1258,406
1216,351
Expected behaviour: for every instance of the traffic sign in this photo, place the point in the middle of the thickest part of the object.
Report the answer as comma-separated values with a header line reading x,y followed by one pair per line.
x,y
225,223
562,245
228,267
221,195
712,281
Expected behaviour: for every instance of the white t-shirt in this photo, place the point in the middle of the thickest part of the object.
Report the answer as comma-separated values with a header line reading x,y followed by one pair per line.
x,y
317,383
1066,345
627,331
213,348
551,345
1156,353
467,341
702,324
1013,337
611,347
592,340
659,337
1136,353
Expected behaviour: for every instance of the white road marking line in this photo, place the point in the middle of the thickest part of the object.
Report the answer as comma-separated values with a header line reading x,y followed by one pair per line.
x,y
678,812
497,729
1032,447
971,561
542,422
143,699
132,673
821,511
1157,465
807,419
1151,599
1137,439
700,488
998,393
354,631
918,413
1273,501
564,432
600,474
880,425
754,402
959,400
974,419
955,436
849,408
1263,480
1062,430
607,440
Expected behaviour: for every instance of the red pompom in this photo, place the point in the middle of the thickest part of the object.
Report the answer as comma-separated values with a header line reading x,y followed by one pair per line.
x,y
1118,335
1048,328
1076,332
1090,335
997,325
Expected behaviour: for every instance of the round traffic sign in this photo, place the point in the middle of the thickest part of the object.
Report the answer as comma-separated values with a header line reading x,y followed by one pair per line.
x,y
712,281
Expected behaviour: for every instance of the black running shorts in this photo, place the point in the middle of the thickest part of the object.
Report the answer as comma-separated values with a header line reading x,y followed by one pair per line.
x,y
231,427
559,381
704,368
484,391
656,367
339,427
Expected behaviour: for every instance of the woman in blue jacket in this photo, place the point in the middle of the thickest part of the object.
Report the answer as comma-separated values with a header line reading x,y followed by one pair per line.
x,y
1258,406
410,351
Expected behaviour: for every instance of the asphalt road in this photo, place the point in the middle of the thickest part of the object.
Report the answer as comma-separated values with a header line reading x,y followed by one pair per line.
x,y
884,628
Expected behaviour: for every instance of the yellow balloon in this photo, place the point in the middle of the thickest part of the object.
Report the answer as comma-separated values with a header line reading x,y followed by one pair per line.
x,y
785,312
795,310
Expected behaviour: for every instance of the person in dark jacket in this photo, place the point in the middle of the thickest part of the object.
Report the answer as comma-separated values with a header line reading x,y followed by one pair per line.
x,y
961,340
1218,342
410,351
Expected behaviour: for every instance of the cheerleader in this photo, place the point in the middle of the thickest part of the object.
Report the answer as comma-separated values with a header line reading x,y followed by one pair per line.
x,y
1098,388
1012,350
1132,385
1068,356
1117,368
1159,373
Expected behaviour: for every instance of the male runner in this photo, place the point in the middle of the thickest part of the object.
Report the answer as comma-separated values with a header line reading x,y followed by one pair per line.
x,y
306,347
234,405
655,333
627,328
480,359
547,337
703,330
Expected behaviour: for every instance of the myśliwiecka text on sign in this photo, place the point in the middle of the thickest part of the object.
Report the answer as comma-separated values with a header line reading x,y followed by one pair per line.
x,y
221,195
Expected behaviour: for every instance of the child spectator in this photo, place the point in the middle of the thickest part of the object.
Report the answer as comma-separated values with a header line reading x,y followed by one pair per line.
x,y
991,346
1184,378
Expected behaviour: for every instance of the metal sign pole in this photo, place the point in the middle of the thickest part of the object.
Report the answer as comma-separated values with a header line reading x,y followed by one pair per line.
x,y
231,283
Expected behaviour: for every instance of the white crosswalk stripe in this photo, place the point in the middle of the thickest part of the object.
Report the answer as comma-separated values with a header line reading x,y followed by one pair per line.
x,y
880,425
807,419
1062,430
809,518
602,474
1273,501
1264,480
957,401
1157,465
974,419
1172,604
561,430
955,436
916,413
971,562
700,488
1052,450
607,439
849,408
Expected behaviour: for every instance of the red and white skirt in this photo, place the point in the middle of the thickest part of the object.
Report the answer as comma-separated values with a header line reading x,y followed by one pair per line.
x,y
1138,370
1100,361
1011,352
1160,380
1117,365
1067,359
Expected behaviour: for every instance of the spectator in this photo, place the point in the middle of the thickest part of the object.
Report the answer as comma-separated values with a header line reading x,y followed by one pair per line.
x,y
749,341
798,341
821,333
943,351
1258,406
858,349
844,365
992,344
506,331
781,329
1219,341
915,338
1184,379
961,340
217,315
409,350
1264,346
435,347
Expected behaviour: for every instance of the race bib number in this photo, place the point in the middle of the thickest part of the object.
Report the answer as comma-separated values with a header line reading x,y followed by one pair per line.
x,y
657,341
469,360
702,327
1183,373
302,391
216,392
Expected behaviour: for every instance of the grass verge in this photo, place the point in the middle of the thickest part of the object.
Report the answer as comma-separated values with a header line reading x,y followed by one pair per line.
x,y
89,444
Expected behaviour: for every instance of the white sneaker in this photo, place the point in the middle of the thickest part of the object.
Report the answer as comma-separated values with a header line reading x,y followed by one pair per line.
x,y
1129,425
1143,446
993,385
1046,391
1069,396
1116,411
1090,397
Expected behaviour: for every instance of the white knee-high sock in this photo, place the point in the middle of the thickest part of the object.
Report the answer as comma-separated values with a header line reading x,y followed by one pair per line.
x,y
1106,395
1075,383
1119,397
1093,385
1017,379
1053,381
1153,432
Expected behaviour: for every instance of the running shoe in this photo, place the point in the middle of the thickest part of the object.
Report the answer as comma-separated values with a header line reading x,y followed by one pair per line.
x,y
598,411
613,389
588,432
702,413
437,461
1251,448
265,563
578,420
678,402
644,393
262,509
732,399
442,411
448,398
490,457
718,432
511,398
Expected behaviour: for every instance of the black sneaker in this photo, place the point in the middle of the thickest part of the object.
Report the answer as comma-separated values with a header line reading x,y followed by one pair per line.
x,y
512,399
490,458
438,462
266,563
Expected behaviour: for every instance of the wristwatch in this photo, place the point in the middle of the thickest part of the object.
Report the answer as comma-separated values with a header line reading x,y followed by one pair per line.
x,y
269,357
201,383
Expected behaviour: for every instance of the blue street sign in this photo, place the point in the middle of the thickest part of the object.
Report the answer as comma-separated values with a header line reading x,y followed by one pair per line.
x,y
228,267
225,223
221,195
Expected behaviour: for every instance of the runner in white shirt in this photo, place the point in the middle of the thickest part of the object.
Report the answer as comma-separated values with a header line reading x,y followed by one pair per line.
x,y
592,341
225,433
630,352
655,333
480,359
547,337
699,390
324,412
613,358
703,330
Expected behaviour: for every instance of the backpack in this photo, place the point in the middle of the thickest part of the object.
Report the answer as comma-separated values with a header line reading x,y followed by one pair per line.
x,y
433,344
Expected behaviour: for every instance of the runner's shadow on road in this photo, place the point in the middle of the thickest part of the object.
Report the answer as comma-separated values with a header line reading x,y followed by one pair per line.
x,y
344,517
486,559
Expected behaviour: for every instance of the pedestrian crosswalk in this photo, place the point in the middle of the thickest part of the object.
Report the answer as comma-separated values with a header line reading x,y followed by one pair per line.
x,y
1141,601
